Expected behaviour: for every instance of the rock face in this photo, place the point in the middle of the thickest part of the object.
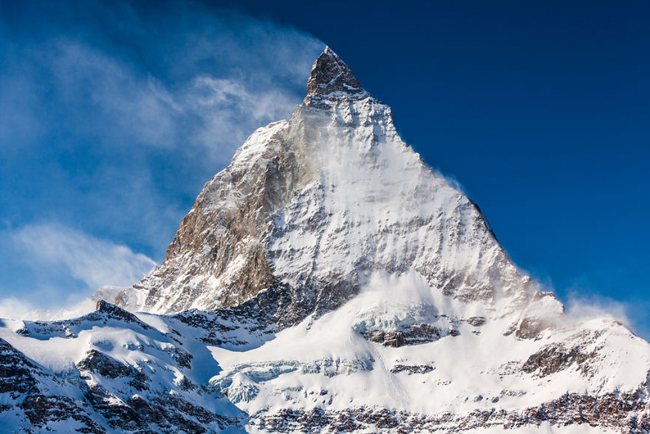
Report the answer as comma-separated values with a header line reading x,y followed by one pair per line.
x,y
327,281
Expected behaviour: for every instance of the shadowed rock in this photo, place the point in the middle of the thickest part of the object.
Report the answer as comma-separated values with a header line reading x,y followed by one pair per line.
x,y
330,75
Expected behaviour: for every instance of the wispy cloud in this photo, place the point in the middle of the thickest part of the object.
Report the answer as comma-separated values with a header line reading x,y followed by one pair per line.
x,y
93,261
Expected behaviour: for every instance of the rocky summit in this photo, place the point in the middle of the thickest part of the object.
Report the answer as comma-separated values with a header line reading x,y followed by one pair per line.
x,y
327,280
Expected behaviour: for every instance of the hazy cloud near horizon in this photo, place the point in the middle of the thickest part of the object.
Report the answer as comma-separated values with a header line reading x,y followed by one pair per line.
x,y
113,115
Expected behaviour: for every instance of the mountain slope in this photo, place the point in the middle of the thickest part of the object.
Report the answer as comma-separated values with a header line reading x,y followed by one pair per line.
x,y
314,206
329,281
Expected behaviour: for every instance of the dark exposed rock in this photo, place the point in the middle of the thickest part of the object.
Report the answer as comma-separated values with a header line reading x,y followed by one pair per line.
x,y
182,358
114,312
623,413
476,321
388,339
554,358
411,369
41,410
413,335
330,74
98,362
104,365
530,328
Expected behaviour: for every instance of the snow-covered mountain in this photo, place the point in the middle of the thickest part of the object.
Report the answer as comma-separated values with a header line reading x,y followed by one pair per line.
x,y
327,281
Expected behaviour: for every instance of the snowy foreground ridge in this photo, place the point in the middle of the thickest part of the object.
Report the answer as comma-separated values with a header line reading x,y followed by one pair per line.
x,y
327,281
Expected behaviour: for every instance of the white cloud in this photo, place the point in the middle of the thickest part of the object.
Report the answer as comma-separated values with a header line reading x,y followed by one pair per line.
x,y
88,259
125,105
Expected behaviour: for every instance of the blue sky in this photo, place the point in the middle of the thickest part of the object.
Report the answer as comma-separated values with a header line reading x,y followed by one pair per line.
x,y
113,115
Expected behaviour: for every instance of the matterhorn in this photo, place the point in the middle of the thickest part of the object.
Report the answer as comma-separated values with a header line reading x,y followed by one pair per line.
x,y
327,281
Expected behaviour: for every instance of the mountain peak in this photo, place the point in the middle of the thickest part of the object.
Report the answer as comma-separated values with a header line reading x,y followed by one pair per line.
x,y
330,74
